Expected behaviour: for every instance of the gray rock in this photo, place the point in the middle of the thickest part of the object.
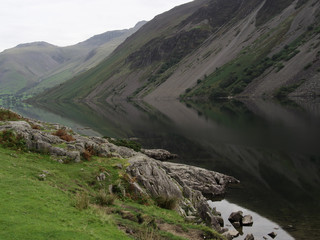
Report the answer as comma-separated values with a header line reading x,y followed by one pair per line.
x,y
234,233
159,154
247,220
227,235
249,237
236,217
42,177
74,155
101,177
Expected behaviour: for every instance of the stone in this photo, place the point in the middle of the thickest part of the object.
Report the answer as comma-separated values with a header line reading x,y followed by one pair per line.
x,y
249,237
272,234
227,235
247,220
236,224
234,233
236,217
101,177
118,166
42,177
159,154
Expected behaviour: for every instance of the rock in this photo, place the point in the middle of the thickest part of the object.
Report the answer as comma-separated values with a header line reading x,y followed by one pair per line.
x,y
191,218
42,177
74,155
247,220
227,235
101,177
234,233
159,154
249,237
236,224
236,217
119,166
272,234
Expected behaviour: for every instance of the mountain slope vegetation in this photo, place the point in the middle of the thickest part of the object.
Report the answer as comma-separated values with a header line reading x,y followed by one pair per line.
x,y
208,49
31,68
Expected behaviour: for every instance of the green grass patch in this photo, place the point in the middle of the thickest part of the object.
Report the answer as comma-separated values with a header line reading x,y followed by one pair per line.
x,y
68,202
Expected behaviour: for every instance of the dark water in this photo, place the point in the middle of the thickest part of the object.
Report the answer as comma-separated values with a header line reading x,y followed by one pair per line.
x,y
273,149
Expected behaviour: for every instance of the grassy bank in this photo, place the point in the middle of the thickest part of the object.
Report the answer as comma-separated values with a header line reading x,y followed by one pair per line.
x,y
41,198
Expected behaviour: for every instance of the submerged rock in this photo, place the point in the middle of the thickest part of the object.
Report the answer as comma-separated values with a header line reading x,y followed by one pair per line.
x,y
249,237
273,235
247,220
236,217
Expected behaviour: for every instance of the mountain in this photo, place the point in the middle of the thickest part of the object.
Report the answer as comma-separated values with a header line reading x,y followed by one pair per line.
x,y
30,68
209,49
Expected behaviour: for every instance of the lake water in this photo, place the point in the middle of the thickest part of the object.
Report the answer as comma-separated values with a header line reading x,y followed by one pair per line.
x,y
272,148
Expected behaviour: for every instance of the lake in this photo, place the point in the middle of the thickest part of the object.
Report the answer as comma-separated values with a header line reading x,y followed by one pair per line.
x,y
272,148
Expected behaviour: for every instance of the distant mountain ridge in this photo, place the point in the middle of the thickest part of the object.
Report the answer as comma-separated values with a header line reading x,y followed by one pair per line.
x,y
209,49
33,67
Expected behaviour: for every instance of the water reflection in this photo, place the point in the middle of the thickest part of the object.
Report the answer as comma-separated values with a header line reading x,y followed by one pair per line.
x,y
273,149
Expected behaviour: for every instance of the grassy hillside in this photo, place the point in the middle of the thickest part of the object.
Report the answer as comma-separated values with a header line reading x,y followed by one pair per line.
x,y
42,198
232,48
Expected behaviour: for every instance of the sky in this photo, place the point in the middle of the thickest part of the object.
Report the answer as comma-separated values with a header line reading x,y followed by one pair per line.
x,y
67,22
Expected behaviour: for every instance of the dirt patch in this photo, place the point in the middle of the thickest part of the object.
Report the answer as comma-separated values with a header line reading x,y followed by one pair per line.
x,y
193,234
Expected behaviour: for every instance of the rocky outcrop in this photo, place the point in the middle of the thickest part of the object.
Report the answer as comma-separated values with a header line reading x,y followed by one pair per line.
x,y
159,154
184,184
187,184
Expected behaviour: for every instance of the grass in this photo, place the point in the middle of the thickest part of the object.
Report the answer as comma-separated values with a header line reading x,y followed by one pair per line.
x,y
70,203
33,209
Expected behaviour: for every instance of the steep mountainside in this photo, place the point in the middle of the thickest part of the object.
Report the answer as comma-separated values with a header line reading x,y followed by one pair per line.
x,y
33,67
209,49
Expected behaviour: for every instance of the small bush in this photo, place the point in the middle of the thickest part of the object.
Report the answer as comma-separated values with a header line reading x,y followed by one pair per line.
x,y
127,143
82,200
86,155
63,134
104,199
166,202
7,115
11,140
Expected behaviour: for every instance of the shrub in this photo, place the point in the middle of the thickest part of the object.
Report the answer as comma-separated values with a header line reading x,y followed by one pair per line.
x,y
82,200
86,155
7,115
218,93
11,140
63,134
127,143
166,202
104,199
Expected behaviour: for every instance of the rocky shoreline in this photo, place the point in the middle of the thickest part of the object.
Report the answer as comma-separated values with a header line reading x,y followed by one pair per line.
x,y
187,185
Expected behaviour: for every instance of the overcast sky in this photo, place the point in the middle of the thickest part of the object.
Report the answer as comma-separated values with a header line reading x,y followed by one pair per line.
x,y
67,22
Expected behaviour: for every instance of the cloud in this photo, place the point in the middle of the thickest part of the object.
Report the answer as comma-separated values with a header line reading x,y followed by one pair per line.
x,y
66,22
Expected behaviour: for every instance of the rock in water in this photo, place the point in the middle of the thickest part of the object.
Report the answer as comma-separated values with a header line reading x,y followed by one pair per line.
x,y
249,237
236,217
273,235
247,220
